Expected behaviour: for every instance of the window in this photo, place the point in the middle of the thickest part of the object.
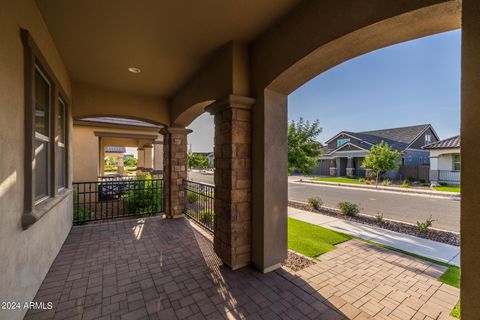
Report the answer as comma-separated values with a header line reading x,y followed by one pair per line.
x,y
456,162
428,139
46,133
341,142
60,139
42,135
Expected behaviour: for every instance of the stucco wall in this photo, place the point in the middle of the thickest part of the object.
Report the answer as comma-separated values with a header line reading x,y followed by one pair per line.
x,y
25,255
442,159
89,100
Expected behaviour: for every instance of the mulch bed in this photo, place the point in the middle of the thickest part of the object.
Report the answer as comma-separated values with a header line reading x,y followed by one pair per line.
x,y
297,262
431,234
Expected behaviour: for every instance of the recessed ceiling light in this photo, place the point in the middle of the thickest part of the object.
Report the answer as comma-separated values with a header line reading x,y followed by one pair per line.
x,y
134,70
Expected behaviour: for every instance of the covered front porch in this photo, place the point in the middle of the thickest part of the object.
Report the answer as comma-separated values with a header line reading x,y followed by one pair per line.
x,y
154,268
346,166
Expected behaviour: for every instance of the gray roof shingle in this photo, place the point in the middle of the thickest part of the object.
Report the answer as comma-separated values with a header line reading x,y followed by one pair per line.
x,y
398,138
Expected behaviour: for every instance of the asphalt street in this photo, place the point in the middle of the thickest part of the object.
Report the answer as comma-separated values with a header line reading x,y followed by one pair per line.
x,y
393,205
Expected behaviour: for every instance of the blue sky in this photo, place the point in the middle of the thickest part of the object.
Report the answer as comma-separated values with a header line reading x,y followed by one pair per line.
x,y
406,84
410,83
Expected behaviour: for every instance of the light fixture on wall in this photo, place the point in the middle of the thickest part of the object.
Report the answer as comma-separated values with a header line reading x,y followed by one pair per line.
x,y
134,70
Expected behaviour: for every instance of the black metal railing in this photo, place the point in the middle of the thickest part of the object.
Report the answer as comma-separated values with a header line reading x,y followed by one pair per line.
x,y
117,198
199,201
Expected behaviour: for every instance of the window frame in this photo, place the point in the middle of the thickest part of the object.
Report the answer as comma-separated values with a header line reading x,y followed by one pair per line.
x,y
60,101
34,62
343,140
429,139
454,162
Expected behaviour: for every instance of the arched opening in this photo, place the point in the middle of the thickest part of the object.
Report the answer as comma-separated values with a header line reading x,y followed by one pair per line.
x,y
309,57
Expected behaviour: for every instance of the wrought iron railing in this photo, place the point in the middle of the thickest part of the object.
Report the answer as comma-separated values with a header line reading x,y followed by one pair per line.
x,y
119,198
199,203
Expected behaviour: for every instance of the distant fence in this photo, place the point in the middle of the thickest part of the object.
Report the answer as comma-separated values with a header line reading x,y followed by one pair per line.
x,y
447,176
419,172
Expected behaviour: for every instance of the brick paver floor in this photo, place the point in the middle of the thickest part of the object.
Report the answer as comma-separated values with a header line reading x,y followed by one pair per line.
x,y
166,269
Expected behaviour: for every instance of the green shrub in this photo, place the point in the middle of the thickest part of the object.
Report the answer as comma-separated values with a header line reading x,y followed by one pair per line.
x,y
315,202
425,225
411,179
144,196
192,197
206,216
362,180
348,208
379,217
386,182
82,216
405,184
443,184
422,181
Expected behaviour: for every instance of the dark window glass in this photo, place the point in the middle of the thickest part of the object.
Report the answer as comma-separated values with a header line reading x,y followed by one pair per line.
x,y
42,104
41,169
456,162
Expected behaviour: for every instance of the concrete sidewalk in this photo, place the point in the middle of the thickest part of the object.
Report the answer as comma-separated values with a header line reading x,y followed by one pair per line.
x,y
423,247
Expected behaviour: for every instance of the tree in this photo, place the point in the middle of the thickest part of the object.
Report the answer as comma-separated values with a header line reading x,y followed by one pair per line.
x,y
381,159
196,160
304,149
130,162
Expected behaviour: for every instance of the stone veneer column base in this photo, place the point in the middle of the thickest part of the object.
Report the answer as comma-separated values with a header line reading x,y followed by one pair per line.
x,y
175,170
233,138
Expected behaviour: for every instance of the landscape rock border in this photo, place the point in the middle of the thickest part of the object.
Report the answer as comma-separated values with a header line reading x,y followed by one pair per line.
x,y
296,261
447,237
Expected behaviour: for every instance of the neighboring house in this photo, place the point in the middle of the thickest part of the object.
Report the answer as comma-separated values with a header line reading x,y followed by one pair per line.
x,y
445,161
344,153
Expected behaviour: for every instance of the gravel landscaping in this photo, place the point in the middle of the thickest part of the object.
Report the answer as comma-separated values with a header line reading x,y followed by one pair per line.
x,y
431,234
297,262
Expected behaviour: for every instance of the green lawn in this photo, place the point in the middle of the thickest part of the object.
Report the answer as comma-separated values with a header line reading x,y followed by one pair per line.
x,y
448,188
339,180
312,240
456,311
451,276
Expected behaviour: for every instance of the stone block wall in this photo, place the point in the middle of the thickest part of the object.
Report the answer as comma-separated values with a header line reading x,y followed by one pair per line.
x,y
233,179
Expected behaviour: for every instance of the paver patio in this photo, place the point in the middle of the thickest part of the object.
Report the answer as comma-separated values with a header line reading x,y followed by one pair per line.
x,y
166,269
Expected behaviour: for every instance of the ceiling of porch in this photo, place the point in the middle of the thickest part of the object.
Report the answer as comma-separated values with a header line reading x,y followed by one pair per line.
x,y
168,40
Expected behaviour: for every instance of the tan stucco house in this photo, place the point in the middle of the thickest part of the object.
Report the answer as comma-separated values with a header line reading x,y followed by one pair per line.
x,y
165,63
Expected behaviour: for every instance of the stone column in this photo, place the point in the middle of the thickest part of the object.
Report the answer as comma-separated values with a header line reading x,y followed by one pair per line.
x,y
148,157
158,156
350,169
233,218
174,170
333,168
120,167
140,160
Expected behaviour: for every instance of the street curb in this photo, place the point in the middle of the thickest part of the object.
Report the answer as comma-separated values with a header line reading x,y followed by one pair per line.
x,y
450,195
